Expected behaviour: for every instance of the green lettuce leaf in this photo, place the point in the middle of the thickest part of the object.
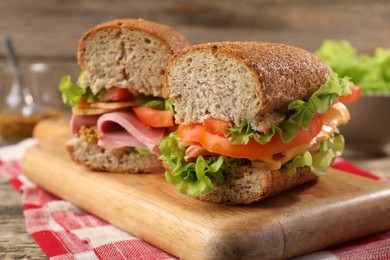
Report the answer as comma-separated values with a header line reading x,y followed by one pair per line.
x,y
73,93
169,105
372,73
322,159
158,103
90,97
300,112
142,150
192,178
329,149
305,159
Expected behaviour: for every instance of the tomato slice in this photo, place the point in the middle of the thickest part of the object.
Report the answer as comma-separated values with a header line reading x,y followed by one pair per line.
x,y
153,117
216,126
219,144
116,94
353,97
84,103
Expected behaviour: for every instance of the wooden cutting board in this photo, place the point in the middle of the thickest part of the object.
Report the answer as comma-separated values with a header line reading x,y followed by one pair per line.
x,y
337,208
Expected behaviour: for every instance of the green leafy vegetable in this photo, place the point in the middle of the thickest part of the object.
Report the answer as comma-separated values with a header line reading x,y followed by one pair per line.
x,y
301,114
90,97
372,73
142,150
73,93
322,159
329,149
305,159
154,102
192,178
168,105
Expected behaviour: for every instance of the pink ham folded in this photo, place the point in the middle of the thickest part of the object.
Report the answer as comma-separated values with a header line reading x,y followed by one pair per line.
x,y
77,121
121,129
194,151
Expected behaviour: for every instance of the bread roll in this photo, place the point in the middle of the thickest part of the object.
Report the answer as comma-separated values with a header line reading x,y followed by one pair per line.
x,y
241,80
246,184
121,160
128,53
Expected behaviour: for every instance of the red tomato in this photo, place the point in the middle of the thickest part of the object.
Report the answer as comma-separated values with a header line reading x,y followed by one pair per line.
x,y
218,144
153,117
116,94
353,97
84,102
216,126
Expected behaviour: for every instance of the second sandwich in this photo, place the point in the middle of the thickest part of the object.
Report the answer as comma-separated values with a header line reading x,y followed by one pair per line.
x,y
119,114
255,119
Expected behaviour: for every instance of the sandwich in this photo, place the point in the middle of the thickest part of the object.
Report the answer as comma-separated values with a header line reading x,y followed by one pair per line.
x,y
254,119
119,113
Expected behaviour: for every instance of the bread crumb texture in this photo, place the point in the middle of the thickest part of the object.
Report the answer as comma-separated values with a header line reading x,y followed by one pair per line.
x,y
121,160
246,184
128,53
241,80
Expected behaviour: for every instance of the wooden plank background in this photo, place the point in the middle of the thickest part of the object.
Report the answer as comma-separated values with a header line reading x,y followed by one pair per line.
x,y
50,30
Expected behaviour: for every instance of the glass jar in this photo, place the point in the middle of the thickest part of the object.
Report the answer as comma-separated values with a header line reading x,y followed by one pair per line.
x,y
42,80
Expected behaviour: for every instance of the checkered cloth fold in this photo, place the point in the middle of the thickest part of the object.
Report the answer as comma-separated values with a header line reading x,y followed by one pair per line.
x,y
64,231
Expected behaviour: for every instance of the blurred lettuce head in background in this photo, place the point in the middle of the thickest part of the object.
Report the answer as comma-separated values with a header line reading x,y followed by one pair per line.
x,y
371,72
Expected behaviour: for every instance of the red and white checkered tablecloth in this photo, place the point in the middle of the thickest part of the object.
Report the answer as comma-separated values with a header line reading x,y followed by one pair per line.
x,y
64,231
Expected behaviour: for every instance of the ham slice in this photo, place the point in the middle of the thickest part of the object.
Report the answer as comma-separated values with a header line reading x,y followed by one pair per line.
x,y
117,139
77,121
194,151
123,128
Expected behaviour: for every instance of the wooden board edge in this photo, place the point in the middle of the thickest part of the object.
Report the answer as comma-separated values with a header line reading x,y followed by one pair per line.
x,y
218,242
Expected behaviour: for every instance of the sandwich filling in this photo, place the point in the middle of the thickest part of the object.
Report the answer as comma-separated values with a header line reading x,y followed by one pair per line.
x,y
116,118
198,154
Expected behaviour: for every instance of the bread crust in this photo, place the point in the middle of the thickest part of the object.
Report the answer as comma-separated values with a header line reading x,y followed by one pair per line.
x,y
120,160
244,185
173,40
278,75
284,73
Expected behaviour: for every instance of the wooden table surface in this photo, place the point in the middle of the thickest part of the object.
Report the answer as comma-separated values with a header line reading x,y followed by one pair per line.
x,y
16,243
49,31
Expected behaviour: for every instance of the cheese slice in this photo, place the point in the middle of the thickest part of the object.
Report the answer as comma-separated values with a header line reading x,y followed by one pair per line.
x,y
337,115
98,108
276,161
